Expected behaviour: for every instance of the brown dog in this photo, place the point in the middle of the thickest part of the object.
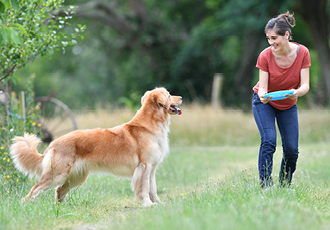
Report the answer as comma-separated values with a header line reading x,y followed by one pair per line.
x,y
131,150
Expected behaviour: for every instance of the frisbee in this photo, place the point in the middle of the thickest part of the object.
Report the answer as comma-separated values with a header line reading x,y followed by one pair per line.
x,y
279,95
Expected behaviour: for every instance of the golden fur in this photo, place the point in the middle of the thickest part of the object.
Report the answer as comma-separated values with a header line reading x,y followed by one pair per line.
x,y
131,150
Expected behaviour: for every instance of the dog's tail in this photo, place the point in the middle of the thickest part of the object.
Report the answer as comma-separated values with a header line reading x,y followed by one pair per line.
x,y
25,155
136,183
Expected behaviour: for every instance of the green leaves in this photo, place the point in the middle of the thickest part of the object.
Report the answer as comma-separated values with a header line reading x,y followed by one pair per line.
x,y
2,7
4,36
14,36
10,35
4,4
29,28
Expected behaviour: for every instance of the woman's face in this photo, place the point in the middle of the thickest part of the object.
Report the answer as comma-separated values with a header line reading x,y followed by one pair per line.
x,y
277,41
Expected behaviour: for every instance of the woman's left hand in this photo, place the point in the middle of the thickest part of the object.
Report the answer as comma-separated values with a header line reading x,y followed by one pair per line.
x,y
294,96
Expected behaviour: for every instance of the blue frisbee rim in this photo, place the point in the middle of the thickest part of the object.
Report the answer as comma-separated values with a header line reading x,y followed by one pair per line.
x,y
279,95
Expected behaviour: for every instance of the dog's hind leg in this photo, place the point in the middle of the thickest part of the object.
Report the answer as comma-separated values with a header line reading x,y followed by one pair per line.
x,y
140,184
153,187
73,180
47,181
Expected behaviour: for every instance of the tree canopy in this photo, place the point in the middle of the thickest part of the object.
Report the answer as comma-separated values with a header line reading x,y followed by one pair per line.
x,y
135,45
29,28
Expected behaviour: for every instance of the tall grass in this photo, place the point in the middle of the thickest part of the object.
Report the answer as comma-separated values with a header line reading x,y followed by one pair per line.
x,y
197,126
205,126
209,181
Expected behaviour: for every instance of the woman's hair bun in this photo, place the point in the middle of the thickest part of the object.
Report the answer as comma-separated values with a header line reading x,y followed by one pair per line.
x,y
289,18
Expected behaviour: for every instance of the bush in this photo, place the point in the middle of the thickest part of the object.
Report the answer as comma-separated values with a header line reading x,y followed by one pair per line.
x,y
13,124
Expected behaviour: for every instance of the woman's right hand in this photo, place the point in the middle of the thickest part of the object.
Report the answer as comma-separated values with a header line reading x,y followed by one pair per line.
x,y
263,99
263,86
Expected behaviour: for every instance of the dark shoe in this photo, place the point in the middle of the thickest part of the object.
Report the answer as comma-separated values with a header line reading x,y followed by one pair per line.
x,y
266,182
285,179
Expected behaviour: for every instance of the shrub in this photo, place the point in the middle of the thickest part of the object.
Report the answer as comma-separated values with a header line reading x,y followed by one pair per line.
x,y
13,124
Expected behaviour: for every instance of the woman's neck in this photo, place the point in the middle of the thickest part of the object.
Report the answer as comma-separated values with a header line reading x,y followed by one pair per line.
x,y
285,51
285,56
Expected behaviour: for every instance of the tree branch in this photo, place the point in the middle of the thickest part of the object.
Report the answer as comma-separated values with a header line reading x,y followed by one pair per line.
x,y
103,12
8,73
139,9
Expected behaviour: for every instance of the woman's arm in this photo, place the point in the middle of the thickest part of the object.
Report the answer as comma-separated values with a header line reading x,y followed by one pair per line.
x,y
263,86
304,85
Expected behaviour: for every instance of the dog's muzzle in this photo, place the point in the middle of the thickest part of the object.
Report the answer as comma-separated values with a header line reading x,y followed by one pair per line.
x,y
175,110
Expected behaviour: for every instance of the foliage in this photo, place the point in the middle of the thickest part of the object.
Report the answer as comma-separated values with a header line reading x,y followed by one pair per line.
x,y
217,45
14,123
29,28
133,102
180,46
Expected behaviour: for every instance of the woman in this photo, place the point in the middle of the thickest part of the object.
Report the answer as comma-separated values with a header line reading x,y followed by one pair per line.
x,y
282,66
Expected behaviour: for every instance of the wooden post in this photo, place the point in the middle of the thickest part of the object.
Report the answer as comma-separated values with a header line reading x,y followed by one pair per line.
x,y
216,90
22,111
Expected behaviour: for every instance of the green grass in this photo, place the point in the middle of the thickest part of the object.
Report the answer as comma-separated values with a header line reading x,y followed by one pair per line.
x,y
204,186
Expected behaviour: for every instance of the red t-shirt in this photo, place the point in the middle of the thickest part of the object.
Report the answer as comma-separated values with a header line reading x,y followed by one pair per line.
x,y
282,78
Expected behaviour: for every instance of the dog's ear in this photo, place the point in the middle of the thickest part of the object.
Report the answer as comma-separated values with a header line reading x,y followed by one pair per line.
x,y
143,98
160,99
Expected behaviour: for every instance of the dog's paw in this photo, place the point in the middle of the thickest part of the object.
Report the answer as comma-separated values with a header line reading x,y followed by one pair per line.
x,y
27,200
147,204
157,201
154,198
24,201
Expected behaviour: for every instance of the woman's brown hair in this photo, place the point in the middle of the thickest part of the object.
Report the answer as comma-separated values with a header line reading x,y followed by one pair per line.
x,y
281,24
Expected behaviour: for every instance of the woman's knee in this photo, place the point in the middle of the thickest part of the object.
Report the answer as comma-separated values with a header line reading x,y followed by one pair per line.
x,y
269,140
290,152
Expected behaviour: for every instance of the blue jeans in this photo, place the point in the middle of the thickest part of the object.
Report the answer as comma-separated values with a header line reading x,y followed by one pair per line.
x,y
265,116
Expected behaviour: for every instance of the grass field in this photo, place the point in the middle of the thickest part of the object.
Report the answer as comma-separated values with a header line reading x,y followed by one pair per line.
x,y
209,181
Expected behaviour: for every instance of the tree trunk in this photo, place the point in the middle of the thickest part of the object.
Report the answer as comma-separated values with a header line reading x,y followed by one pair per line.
x,y
245,74
317,18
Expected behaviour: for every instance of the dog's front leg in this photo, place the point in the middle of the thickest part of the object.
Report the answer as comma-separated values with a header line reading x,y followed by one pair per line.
x,y
153,187
140,184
